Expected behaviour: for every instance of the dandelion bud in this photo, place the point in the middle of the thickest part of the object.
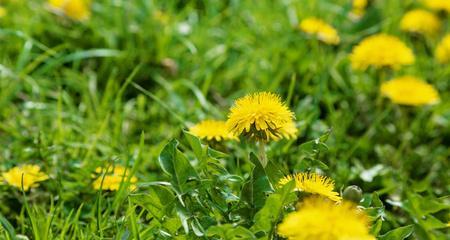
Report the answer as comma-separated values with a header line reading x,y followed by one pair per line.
x,y
353,193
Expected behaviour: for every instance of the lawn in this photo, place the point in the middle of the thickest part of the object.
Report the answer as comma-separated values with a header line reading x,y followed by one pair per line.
x,y
225,119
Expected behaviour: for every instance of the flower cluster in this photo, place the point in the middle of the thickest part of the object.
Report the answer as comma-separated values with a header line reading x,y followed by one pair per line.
x,y
320,219
24,176
320,29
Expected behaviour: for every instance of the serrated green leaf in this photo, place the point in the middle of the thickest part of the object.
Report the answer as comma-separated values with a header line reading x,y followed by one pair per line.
x,y
175,163
398,233
195,144
266,218
255,190
230,232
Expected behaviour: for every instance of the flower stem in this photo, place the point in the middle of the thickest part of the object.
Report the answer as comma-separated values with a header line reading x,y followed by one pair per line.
x,y
262,153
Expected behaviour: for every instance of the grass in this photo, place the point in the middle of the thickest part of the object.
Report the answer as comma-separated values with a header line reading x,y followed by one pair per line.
x,y
117,88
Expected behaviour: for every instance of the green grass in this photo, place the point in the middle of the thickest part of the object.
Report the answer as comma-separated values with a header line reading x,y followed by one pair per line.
x,y
77,96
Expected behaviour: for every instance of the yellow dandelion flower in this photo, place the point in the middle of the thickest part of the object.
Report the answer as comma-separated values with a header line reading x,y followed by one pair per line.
x,y
313,183
438,5
2,12
320,29
360,4
212,130
289,130
261,116
113,179
358,8
161,17
320,219
443,50
27,175
421,22
409,90
75,9
381,50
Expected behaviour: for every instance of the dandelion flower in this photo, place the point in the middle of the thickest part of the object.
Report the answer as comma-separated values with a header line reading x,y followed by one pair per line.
x,y
443,50
320,29
2,12
358,8
313,183
289,130
75,9
320,219
27,175
409,90
112,179
360,4
212,130
260,116
381,50
438,5
421,22
161,17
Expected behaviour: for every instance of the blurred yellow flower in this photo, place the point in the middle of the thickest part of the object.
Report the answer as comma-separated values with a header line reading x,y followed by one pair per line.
x,y
2,12
360,4
409,90
421,22
438,5
30,174
381,50
313,183
320,219
75,9
261,116
161,17
443,50
320,29
212,130
358,8
113,179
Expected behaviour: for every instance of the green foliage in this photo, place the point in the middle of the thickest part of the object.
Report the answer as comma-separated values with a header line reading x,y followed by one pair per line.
x,y
113,90
399,233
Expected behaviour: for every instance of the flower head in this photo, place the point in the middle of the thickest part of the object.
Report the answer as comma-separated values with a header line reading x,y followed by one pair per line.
x,y
320,29
381,50
75,9
443,50
358,8
261,116
421,22
289,130
2,11
409,90
438,5
360,4
27,175
212,130
313,183
113,179
320,219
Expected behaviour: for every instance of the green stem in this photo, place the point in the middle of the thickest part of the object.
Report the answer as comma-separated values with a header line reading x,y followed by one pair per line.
x,y
262,153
